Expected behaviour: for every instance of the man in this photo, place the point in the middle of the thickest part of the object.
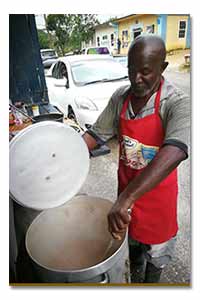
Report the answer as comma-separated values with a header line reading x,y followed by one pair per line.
x,y
118,46
151,119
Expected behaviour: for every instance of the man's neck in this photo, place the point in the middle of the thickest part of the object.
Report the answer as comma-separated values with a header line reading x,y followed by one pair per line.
x,y
148,96
139,102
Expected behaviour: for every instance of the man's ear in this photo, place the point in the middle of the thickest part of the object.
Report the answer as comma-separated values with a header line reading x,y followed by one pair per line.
x,y
164,66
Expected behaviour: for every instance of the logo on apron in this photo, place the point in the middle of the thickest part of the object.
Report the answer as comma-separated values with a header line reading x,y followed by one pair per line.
x,y
135,154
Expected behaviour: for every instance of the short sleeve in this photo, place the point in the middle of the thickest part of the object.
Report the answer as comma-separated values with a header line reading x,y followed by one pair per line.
x,y
176,120
106,125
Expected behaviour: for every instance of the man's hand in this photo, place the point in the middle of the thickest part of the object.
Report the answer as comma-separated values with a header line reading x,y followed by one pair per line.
x,y
119,218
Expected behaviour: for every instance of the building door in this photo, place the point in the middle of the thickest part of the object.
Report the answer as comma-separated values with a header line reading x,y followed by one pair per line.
x,y
136,32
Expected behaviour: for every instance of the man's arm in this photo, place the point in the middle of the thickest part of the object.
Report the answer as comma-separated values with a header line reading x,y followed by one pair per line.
x,y
90,141
166,160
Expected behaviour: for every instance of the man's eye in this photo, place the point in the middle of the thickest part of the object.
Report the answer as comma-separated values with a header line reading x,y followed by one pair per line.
x,y
146,72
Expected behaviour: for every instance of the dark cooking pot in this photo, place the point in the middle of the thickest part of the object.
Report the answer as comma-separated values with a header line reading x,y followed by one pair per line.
x,y
58,117
71,243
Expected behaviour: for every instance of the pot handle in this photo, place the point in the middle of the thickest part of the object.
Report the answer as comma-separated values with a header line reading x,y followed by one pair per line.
x,y
106,278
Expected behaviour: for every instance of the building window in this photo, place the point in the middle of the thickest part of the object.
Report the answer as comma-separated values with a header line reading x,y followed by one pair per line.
x,y
124,38
182,29
150,28
125,34
104,41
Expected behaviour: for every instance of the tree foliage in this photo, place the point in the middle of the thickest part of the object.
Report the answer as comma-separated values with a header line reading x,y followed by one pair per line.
x,y
43,39
71,30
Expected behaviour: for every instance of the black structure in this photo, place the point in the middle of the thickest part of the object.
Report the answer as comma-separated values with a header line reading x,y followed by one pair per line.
x,y
26,77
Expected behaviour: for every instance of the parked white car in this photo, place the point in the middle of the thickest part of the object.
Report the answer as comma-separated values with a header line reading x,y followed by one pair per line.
x,y
80,86
122,60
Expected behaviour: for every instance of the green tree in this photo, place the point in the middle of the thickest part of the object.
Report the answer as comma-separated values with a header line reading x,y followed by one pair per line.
x,y
70,30
43,39
83,30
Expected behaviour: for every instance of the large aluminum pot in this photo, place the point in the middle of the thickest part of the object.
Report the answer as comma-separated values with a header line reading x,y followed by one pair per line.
x,y
71,243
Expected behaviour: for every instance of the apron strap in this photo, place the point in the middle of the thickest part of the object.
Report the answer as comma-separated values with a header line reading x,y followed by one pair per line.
x,y
157,100
125,106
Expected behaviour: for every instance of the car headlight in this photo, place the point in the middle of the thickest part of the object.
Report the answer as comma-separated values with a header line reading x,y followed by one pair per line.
x,y
85,103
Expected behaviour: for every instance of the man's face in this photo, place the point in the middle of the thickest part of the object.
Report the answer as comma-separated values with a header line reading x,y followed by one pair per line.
x,y
144,69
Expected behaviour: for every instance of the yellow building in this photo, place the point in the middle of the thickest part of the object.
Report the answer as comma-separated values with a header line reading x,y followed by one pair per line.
x,y
174,29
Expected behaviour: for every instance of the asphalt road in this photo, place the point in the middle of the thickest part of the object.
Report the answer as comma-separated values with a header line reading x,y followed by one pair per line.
x,y
102,182
180,79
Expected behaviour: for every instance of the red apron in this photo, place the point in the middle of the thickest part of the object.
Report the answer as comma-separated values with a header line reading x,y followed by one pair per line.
x,y
154,215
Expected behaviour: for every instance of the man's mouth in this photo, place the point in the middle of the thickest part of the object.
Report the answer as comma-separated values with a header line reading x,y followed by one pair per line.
x,y
139,90
139,87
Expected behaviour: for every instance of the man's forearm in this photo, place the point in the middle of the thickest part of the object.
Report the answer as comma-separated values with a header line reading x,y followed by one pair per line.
x,y
166,160
90,141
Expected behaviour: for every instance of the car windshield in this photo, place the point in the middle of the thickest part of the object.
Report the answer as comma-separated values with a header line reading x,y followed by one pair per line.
x,y
92,71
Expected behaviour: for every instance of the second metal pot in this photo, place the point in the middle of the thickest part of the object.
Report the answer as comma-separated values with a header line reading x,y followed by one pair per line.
x,y
48,117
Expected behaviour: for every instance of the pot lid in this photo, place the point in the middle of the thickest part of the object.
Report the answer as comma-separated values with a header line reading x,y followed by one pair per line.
x,y
49,161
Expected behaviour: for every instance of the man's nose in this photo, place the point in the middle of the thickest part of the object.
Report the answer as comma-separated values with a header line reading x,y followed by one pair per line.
x,y
138,78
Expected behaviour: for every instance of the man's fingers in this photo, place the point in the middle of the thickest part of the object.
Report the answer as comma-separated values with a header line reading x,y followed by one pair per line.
x,y
117,232
125,216
118,220
118,235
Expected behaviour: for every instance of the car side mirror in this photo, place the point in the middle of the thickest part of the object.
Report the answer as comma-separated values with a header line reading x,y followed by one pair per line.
x,y
67,84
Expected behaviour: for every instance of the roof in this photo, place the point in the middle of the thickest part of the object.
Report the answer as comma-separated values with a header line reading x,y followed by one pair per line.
x,y
105,24
124,17
129,17
133,16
